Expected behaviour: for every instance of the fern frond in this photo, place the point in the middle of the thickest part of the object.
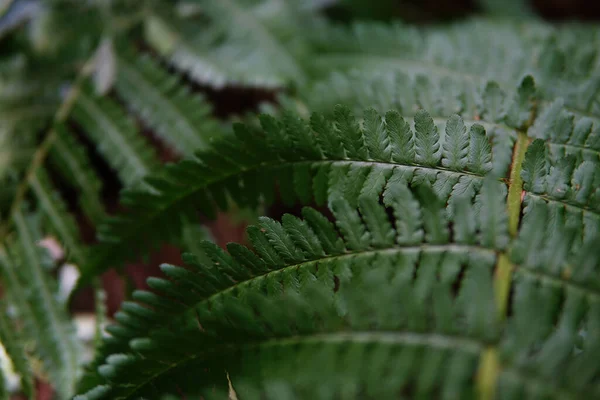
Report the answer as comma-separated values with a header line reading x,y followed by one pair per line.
x,y
115,135
439,53
354,314
562,166
180,118
59,221
447,55
249,43
486,105
569,68
45,319
305,160
70,159
560,273
288,258
13,345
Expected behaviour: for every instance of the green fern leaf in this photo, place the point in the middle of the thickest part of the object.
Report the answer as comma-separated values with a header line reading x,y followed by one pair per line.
x,y
491,201
350,133
272,243
60,221
115,136
534,167
408,212
281,241
302,234
380,303
294,155
376,138
479,150
560,168
44,317
401,137
73,164
242,44
180,118
424,51
324,230
456,145
377,222
14,348
427,139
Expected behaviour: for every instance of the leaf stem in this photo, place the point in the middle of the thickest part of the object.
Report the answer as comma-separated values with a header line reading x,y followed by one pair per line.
x,y
487,375
504,267
489,367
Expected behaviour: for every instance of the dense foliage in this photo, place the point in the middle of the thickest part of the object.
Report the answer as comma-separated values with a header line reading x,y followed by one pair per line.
x,y
440,188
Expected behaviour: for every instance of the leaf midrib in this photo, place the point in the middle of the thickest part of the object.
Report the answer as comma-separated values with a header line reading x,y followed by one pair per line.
x,y
490,364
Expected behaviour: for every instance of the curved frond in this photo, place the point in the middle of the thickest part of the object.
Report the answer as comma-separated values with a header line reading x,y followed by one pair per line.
x,y
324,303
307,163
368,310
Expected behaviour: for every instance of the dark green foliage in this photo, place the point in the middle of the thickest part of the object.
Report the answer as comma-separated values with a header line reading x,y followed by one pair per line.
x,y
115,136
13,345
44,319
563,167
179,117
235,167
70,158
354,313
455,250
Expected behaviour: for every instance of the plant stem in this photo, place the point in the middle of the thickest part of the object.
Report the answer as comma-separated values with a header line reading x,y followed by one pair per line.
x,y
489,365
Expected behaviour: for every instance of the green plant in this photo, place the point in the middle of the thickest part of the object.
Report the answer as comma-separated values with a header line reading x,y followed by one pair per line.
x,y
449,178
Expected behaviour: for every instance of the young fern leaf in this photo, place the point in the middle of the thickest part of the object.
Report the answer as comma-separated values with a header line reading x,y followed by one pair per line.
x,y
180,118
304,164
